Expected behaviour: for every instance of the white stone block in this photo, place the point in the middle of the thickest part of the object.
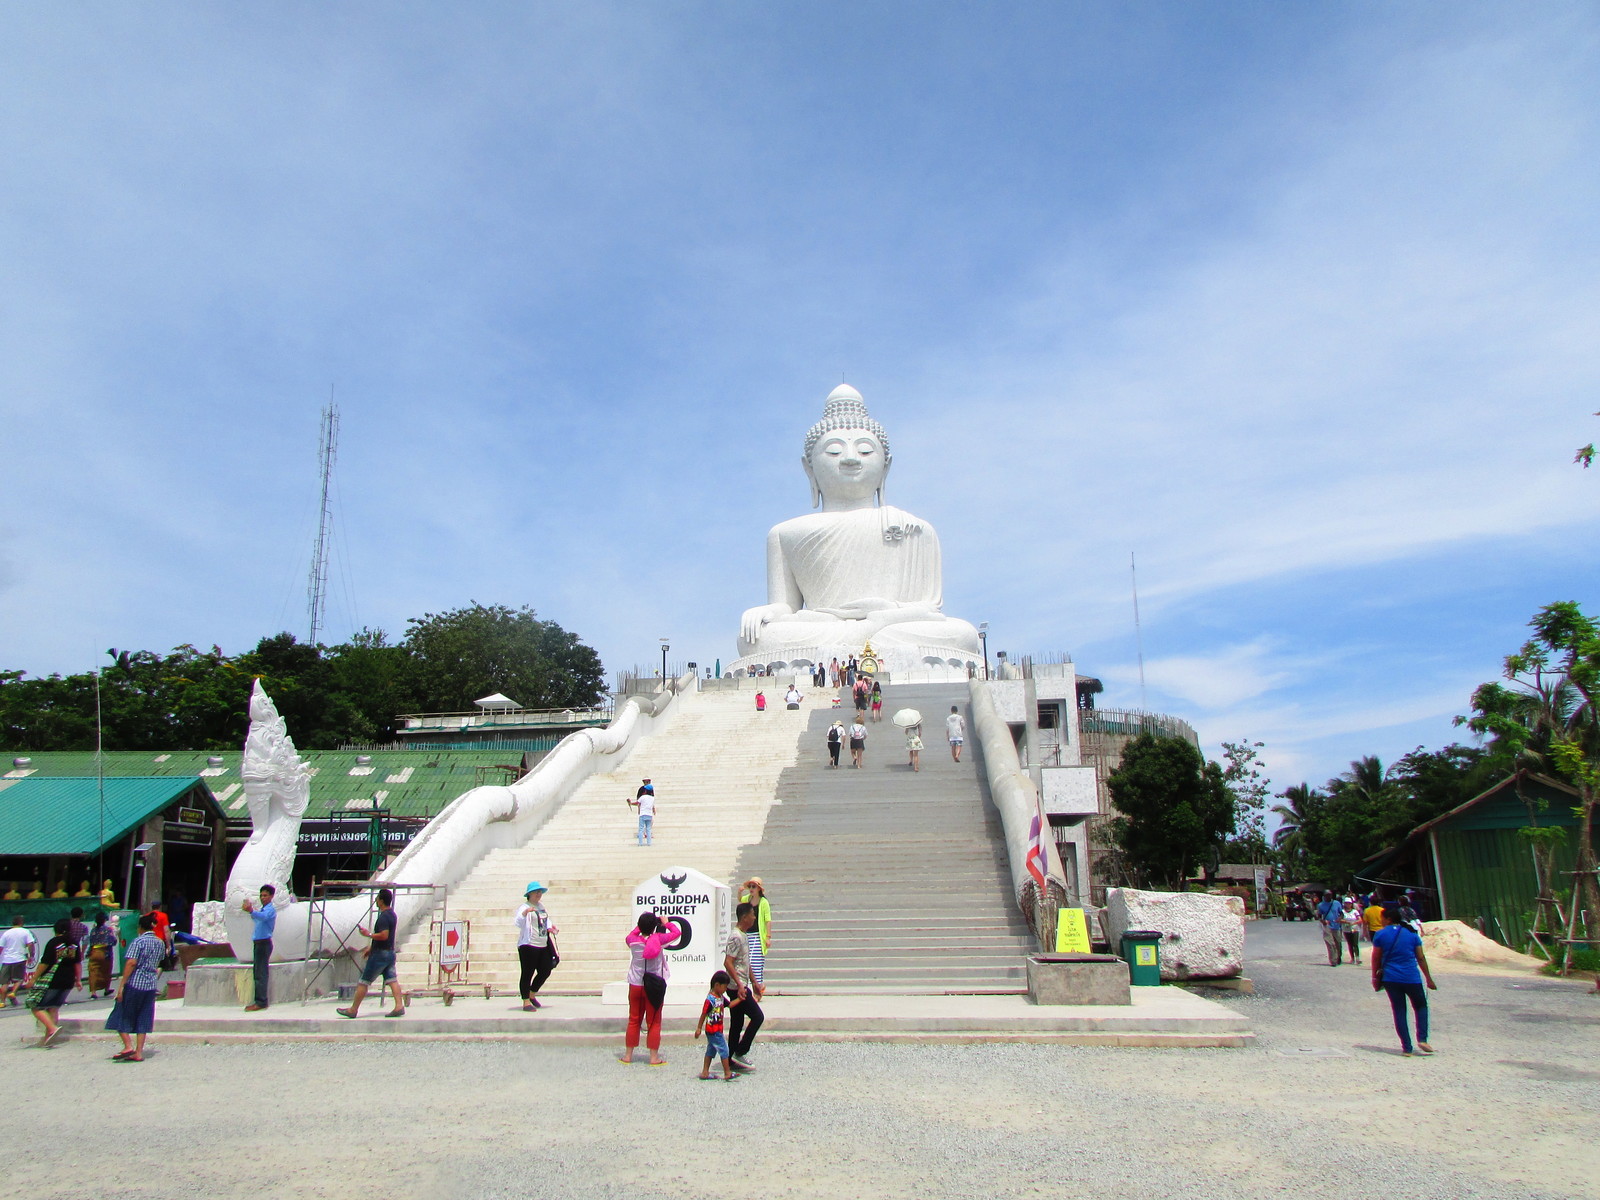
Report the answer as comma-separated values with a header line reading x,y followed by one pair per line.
x,y
1202,936
207,921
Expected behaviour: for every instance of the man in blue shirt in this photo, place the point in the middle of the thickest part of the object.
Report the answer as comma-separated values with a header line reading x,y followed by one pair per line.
x,y
266,920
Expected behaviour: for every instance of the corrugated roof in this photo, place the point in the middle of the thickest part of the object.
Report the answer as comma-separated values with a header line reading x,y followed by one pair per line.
x,y
413,783
41,815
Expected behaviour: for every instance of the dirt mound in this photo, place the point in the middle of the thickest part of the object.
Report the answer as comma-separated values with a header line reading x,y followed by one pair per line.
x,y
1461,943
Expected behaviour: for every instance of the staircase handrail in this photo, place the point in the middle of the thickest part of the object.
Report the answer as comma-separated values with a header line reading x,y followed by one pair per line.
x,y
496,816
1022,817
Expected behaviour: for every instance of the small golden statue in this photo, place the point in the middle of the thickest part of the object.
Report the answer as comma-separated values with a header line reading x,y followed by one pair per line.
x,y
869,660
38,891
108,898
12,894
60,893
83,891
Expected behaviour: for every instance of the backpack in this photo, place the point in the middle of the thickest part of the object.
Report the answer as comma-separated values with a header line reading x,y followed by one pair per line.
x,y
833,735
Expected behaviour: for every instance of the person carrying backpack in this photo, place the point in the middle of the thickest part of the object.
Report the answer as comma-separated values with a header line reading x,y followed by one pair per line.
x,y
835,742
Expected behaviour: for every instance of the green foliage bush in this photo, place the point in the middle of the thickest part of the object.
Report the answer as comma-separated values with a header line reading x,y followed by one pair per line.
x,y
192,699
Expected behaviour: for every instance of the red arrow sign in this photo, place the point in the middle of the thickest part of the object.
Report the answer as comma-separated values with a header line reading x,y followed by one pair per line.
x,y
451,937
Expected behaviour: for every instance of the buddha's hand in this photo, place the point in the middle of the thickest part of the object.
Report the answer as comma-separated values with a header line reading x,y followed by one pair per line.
x,y
754,618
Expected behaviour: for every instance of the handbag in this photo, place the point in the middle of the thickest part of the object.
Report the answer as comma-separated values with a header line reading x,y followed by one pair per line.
x,y
655,990
555,957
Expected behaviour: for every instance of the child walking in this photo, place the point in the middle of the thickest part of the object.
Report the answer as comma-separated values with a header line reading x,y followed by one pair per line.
x,y
713,1013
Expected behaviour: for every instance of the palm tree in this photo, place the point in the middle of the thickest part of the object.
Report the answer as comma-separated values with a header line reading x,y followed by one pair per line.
x,y
1290,836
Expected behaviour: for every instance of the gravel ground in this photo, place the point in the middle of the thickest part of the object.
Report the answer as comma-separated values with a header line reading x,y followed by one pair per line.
x,y
1321,1105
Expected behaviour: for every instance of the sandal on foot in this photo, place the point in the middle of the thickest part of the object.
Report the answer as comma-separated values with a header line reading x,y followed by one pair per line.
x,y
395,1012
345,1012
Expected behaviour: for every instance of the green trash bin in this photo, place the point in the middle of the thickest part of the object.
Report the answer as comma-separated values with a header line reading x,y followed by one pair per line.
x,y
1141,950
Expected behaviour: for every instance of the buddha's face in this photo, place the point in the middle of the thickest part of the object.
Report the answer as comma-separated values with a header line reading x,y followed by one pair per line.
x,y
847,465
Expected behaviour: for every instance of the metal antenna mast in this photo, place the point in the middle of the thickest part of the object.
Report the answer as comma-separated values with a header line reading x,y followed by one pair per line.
x,y
317,588
1138,631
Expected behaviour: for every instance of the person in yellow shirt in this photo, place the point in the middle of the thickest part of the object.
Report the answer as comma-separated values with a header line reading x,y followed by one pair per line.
x,y
1374,917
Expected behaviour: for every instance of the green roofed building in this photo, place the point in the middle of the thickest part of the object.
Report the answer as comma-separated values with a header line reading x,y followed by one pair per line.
x,y
1474,865
364,806
409,783
63,836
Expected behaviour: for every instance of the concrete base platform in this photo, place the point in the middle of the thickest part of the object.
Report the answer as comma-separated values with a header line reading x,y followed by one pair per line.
x,y
232,984
1165,1016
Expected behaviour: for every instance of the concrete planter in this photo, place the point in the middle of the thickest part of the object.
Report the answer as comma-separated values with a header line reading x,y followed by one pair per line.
x,y
1078,979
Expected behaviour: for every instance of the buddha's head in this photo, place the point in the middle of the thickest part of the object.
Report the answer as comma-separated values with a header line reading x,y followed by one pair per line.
x,y
847,452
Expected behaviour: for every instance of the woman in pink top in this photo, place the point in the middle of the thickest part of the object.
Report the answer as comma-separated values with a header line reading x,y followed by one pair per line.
x,y
647,983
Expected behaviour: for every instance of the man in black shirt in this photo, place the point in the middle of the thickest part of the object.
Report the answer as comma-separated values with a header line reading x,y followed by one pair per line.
x,y
380,958
58,975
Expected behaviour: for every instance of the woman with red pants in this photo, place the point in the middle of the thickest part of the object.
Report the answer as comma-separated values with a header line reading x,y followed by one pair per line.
x,y
647,983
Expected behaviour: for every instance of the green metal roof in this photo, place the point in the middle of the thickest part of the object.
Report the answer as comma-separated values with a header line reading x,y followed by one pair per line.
x,y
63,815
409,783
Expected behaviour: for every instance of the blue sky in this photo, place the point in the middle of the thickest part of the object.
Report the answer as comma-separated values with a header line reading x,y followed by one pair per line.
x,y
1298,303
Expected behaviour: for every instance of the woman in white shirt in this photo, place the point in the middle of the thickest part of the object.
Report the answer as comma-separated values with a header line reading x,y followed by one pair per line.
x,y
536,945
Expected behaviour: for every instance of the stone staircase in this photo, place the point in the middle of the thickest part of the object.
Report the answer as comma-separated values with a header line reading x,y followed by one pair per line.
x,y
884,880
716,767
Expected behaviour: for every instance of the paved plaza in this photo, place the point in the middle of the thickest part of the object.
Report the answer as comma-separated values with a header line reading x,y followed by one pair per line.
x,y
1318,1105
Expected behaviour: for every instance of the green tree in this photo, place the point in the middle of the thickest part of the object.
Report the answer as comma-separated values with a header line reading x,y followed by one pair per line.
x,y
1300,812
1545,713
1175,810
463,655
1247,787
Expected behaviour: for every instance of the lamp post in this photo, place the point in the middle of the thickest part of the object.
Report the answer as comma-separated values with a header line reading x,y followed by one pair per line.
x,y
983,636
664,649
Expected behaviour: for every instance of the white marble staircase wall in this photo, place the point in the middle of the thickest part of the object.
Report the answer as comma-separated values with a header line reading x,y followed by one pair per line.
x,y
717,772
485,818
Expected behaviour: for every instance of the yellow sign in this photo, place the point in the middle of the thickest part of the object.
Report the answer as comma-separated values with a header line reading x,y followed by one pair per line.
x,y
1144,956
1072,932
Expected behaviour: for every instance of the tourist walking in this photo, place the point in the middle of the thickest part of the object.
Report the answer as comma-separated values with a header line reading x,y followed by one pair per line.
x,y
835,742
792,697
535,944
101,953
134,1013
264,918
833,673
380,959
17,948
761,702
645,802
713,1014
860,695
1400,968
1328,916
955,731
858,742
914,746
647,983
1351,922
753,891
1373,917
744,1015
54,980
877,700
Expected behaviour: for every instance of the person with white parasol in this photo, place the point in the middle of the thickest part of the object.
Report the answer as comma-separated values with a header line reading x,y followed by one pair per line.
x,y
910,720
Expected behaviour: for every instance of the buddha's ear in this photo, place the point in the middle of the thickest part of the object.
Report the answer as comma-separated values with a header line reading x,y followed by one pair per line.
x,y
883,481
811,476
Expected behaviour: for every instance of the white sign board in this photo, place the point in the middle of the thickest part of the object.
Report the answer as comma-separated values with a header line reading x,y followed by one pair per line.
x,y
452,943
702,908
1261,889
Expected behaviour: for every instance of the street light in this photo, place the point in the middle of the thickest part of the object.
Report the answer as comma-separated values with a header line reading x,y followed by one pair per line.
x,y
983,636
664,649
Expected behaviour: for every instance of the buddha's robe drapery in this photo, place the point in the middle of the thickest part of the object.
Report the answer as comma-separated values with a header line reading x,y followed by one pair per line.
x,y
837,561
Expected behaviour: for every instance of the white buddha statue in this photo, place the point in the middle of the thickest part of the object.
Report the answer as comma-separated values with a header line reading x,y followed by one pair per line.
x,y
859,569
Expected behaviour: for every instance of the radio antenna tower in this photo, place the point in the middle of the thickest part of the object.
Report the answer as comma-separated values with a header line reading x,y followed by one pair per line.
x,y
317,587
1138,632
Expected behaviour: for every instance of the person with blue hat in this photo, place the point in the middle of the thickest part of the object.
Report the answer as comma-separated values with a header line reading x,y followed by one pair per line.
x,y
536,945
